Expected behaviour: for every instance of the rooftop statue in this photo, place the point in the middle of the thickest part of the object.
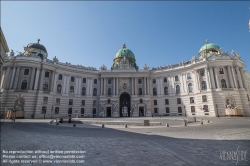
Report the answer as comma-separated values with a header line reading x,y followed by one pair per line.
x,y
55,59
12,53
103,67
145,67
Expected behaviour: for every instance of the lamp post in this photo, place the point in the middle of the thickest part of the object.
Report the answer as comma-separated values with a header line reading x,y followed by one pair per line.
x,y
51,111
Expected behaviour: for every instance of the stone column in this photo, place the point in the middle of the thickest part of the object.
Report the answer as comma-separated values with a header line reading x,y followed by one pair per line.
x,y
136,90
117,85
2,78
243,78
132,83
32,78
41,79
212,77
16,78
239,77
54,83
208,78
113,86
216,77
91,87
12,77
234,78
229,74
148,90
37,77
77,85
104,88
64,83
7,78
182,83
101,82
196,81
67,84
158,86
144,81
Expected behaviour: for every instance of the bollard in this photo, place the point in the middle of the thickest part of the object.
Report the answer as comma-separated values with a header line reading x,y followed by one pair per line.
x,y
74,125
194,119
103,126
185,123
126,126
201,122
57,123
167,125
208,121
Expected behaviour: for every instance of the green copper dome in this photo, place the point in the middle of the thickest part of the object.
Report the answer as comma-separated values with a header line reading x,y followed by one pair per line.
x,y
124,52
209,46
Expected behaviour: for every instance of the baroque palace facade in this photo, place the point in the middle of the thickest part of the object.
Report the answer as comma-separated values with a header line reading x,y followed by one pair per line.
x,y
203,86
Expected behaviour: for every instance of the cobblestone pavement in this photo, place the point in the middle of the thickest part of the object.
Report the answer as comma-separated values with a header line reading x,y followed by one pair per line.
x,y
178,146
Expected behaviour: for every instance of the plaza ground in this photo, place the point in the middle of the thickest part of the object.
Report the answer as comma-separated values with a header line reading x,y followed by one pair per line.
x,y
176,145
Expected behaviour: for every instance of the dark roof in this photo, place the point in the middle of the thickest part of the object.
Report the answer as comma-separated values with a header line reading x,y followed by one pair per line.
x,y
37,45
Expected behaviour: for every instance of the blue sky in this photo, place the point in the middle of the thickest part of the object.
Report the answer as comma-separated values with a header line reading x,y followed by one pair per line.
x,y
159,33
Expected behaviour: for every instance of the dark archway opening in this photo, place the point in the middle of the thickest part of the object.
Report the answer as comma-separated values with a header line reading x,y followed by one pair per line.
x,y
124,105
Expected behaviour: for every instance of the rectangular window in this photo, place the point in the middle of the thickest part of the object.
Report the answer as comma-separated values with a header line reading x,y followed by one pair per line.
x,y
60,77
189,76
205,108
70,101
155,102
191,100
56,110
109,81
192,109
166,101
45,100
204,98
155,110
154,81
176,78
72,79
26,71
178,100
167,110
47,74
202,73
82,111
94,102
58,101
95,81
221,71
70,111
179,109
83,102
84,80
139,81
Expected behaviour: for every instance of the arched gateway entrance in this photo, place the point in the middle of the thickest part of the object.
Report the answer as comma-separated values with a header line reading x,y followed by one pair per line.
x,y
124,105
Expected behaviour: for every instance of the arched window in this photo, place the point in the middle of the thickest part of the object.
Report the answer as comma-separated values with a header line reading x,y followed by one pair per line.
x,y
165,79
94,92
83,91
24,85
109,91
178,90
223,83
203,85
140,91
71,89
82,110
57,110
44,110
59,88
166,90
190,87
45,86
154,91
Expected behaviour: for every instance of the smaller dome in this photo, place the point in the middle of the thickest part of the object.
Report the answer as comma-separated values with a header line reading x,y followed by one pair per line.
x,y
124,52
37,46
209,46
